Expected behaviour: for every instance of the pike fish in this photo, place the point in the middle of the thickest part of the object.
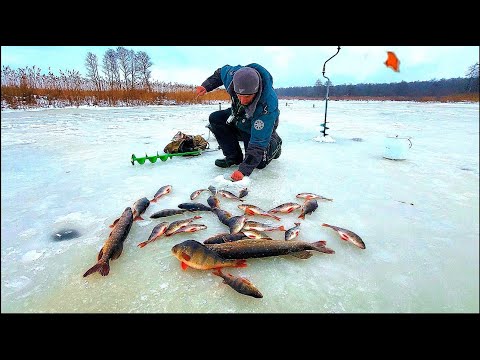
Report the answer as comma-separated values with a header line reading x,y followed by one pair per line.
x,y
164,190
239,284
252,248
348,235
112,248
157,231
308,208
198,256
167,212
308,196
255,210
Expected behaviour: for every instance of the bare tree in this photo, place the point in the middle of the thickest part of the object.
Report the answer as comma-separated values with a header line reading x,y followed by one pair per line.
x,y
144,63
124,64
91,63
133,69
472,75
110,69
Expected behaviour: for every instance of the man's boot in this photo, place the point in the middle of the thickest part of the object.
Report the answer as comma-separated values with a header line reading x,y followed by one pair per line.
x,y
226,162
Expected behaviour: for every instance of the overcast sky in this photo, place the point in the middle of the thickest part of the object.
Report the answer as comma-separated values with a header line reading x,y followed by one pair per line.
x,y
289,65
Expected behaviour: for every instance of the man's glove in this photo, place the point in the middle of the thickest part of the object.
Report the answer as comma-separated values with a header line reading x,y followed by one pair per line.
x,y
237,175
200,91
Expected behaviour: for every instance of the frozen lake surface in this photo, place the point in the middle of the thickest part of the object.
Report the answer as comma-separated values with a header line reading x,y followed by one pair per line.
x,y
69,170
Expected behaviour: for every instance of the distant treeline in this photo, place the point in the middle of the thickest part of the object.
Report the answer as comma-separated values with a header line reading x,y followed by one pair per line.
x,y
416,89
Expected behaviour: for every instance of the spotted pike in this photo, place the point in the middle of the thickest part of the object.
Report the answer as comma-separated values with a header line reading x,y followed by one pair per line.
x,y
194,206
213,201
285,208
190,228
308,196
251,248
255,225
243,193
255,210
195,194
235,223
293,232
157,232
229,195
239,284
167,212
113,246
308,208
225,237
174,226
348,235
198,256
164,190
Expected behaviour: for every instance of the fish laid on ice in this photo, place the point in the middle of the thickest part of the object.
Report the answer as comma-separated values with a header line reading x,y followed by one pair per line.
x,y
308,208
235,223
190,228
229,195
239,284
194,206
164,190
308,196
225,237
285,208
198,256
195,194
255,210
113,247
255,225
223,215
174,226
167,212
157,232
252,248
213,202
293,232
348,235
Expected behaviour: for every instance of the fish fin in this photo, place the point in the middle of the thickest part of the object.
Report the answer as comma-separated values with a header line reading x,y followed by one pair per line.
x,y
184,266
217,272
281,228
249,212
138,217
319,243
276,217
302,216
100,254
185,256
326,225
142,244
241,263
102,267
113,224
153,200
117,252
302,254
326,250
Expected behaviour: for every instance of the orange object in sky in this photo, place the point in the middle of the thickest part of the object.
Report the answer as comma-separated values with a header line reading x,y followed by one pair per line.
x,y
392,61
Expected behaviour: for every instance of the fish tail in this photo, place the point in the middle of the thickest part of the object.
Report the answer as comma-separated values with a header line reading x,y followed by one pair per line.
x,y
217,272
153,200
281,228
138,217
101,267
302,216
319,243
241,263
142,244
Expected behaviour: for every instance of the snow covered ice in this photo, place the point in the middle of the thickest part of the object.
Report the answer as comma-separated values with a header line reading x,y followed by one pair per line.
x,y
70,169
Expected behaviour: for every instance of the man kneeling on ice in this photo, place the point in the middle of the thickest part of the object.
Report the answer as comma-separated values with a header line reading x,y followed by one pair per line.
x,y
253,118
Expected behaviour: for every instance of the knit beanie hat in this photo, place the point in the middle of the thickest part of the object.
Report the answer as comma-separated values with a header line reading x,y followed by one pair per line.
x,y
246,81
